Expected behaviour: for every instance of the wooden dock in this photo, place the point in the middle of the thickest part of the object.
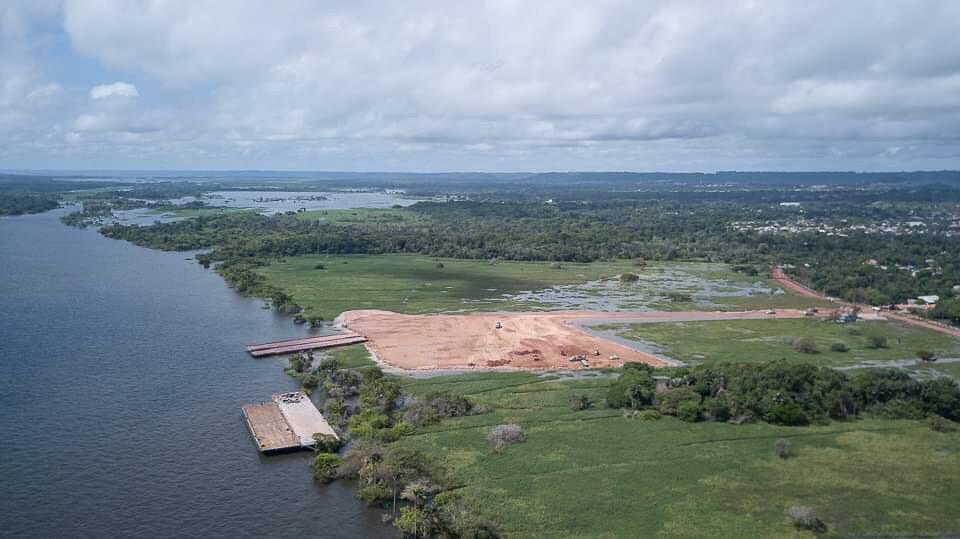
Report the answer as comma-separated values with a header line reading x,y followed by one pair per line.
x,y
308,343
287,422
268,427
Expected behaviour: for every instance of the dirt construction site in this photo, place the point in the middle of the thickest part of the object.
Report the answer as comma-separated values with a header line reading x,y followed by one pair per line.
x,y
542,340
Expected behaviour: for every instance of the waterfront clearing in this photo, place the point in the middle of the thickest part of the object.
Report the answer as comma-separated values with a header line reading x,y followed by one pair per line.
x,y
765,340
328,285
513,340
594,473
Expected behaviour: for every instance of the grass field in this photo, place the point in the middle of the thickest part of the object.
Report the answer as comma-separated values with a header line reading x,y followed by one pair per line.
x,y
198,212
363,215
595,474
416,284
351,357
755,341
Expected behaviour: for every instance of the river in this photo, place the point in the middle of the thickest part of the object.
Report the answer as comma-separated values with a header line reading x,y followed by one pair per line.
x,y
122,373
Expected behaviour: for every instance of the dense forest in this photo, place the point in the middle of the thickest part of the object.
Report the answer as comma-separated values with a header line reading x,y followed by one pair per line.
x,y
21,194
664,226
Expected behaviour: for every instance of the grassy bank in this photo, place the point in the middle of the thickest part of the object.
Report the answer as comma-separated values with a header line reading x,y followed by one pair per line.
x,y
595,474
763,340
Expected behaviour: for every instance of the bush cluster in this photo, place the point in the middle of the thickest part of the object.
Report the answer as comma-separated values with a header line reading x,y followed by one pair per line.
x,y
436,406
784,393
505,435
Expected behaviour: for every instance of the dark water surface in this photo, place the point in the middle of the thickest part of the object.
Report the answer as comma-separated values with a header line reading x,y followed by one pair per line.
x,y
122,373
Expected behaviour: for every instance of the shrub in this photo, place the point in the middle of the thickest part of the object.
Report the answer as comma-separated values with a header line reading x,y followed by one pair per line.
x,y
805,518
320,267
926,355
854,331
580,402
943,398
679,297
439,265
627,277
718,410
373,494
688,411
648,415
436,406
325,466
503,435
333,411
634,388
900,409
402,428
324,443
805,345
669,401
782,448
941,424
839,347
875,342
788,340
386,435
787,413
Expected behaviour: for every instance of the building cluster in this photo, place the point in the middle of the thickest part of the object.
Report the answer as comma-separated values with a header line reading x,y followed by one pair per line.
x,y
844,228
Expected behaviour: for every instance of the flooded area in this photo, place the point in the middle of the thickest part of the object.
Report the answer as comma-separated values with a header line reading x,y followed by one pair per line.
x,y
703,282
267,202
272,202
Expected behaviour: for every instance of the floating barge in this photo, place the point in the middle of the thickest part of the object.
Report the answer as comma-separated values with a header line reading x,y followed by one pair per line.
x,y
309,343
289,421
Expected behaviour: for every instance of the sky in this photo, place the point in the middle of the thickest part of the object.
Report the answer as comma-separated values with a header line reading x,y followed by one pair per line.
x,y
498,85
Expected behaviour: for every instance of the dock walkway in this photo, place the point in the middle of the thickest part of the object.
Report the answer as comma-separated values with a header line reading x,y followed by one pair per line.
x,y
308,343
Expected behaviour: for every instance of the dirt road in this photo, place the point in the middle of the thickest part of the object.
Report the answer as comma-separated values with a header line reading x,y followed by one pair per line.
x,y
524,340
794,286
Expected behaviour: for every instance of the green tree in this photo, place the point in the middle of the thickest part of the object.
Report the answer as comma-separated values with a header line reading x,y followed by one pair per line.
x,y
325,466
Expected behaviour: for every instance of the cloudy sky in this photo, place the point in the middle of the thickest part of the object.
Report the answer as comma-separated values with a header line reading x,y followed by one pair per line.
x,y
480,85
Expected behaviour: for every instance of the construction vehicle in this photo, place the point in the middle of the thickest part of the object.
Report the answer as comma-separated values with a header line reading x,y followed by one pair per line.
x,y
596,352
499,325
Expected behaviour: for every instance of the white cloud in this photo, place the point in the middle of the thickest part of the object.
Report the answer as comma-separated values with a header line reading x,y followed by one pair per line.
x,y
117,89
532,84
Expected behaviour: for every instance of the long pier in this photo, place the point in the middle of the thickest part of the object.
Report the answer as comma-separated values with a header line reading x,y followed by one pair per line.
x,y
308,343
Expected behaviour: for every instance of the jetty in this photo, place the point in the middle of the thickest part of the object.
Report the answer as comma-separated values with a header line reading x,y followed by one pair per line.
x,y
289,421
308,343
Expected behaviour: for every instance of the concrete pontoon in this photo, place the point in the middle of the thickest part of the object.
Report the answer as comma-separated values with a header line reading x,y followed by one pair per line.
x,y
288,422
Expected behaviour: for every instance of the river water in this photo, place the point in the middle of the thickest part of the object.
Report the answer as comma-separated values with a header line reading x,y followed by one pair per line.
x,y
122,373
